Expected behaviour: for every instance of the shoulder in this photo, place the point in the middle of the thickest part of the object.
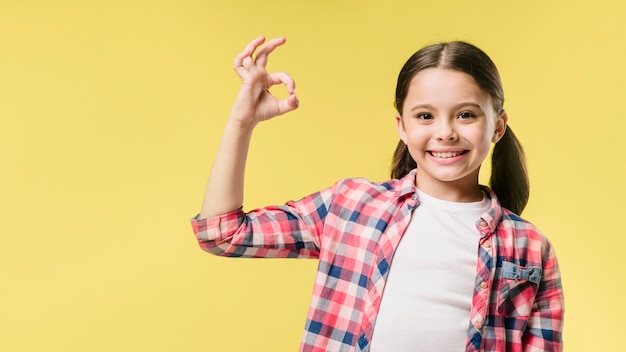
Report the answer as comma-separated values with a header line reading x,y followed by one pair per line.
x,y
509,224
518,225
364,184
362,190
361,193
361,184
524,236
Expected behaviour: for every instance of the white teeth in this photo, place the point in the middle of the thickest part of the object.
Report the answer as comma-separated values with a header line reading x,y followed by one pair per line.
x,y
445,154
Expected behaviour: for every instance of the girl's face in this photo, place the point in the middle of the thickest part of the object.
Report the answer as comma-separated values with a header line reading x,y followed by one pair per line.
x,y
448,124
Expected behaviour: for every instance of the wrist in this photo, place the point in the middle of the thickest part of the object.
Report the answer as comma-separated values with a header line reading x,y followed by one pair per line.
x,y
241,124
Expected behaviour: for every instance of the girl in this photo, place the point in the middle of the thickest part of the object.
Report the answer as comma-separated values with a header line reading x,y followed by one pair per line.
x,y
427,261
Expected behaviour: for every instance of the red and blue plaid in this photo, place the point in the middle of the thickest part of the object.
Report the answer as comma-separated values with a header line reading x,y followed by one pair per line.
x,y
354,227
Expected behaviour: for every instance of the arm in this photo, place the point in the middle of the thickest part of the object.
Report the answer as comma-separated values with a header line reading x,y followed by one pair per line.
x,y
292,230
545,324
254,103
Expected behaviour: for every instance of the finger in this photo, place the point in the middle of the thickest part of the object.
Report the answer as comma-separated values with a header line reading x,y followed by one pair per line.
x,y
263,53
288,104
281,78
247,62
247,51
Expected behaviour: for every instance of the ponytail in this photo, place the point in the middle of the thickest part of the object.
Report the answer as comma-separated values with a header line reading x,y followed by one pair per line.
x,y
402,162
509,178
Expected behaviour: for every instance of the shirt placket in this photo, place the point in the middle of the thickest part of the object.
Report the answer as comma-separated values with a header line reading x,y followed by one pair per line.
x,y
482,289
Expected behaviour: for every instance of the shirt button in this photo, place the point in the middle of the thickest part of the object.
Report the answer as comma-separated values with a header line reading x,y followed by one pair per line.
x,y
483,223
487,244
484,284
478,325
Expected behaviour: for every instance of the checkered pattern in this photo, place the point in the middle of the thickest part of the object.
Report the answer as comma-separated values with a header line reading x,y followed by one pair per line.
x,y
354,228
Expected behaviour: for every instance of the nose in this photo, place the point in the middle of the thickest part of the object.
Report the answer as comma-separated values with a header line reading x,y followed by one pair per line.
x,y
445,131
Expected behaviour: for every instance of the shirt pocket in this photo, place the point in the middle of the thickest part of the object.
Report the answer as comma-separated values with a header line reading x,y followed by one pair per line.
x,y
517,289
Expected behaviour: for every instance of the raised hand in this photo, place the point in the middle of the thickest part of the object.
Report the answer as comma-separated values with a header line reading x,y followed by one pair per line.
x,y
254,102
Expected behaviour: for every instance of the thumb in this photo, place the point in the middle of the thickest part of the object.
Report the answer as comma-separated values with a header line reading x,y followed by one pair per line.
x,y
288,104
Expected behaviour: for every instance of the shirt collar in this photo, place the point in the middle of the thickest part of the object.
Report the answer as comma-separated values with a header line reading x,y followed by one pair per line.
x,y
406,185
493,215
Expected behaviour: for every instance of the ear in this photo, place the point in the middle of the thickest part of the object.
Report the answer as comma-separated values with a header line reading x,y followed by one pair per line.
x,y
400,128
501,123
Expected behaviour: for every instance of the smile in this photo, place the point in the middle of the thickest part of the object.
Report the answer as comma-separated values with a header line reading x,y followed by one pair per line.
x,y
447,154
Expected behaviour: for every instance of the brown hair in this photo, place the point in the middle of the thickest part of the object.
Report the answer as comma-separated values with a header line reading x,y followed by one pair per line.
x,y
509,179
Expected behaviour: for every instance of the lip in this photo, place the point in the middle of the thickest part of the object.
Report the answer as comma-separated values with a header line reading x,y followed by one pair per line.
x,y
446,156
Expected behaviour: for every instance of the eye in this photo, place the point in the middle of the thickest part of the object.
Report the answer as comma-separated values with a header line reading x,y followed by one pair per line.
x,y
424,116
465,115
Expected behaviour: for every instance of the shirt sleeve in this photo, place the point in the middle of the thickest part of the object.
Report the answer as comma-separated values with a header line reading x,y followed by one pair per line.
x,y
291,230
545,325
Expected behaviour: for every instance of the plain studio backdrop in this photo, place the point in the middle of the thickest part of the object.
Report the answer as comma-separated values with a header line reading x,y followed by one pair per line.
x,y
110,115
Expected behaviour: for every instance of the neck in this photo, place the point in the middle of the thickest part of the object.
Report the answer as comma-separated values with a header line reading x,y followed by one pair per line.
x,y
460,191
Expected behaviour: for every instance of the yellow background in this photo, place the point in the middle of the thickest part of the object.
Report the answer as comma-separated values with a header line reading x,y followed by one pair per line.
x,y
111,111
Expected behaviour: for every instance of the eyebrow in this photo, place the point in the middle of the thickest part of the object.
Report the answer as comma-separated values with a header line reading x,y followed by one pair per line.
x,y
455,107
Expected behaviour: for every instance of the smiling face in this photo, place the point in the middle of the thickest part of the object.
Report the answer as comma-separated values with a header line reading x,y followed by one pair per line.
x,y
448,124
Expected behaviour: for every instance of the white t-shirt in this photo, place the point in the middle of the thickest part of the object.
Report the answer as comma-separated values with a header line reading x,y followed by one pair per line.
x,y
428,295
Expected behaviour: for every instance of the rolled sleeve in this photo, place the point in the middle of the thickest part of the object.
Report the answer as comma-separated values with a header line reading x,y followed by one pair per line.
x,y
217,228
291,230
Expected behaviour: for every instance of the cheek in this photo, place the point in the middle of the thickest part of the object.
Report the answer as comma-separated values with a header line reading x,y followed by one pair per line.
x,y
417,136
485,142
483,133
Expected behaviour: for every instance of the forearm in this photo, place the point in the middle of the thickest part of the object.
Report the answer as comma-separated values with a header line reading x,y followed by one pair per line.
x,y
254,103
224,189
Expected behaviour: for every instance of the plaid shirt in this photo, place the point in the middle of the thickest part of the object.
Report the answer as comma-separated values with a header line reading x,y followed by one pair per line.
x,y
354,228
